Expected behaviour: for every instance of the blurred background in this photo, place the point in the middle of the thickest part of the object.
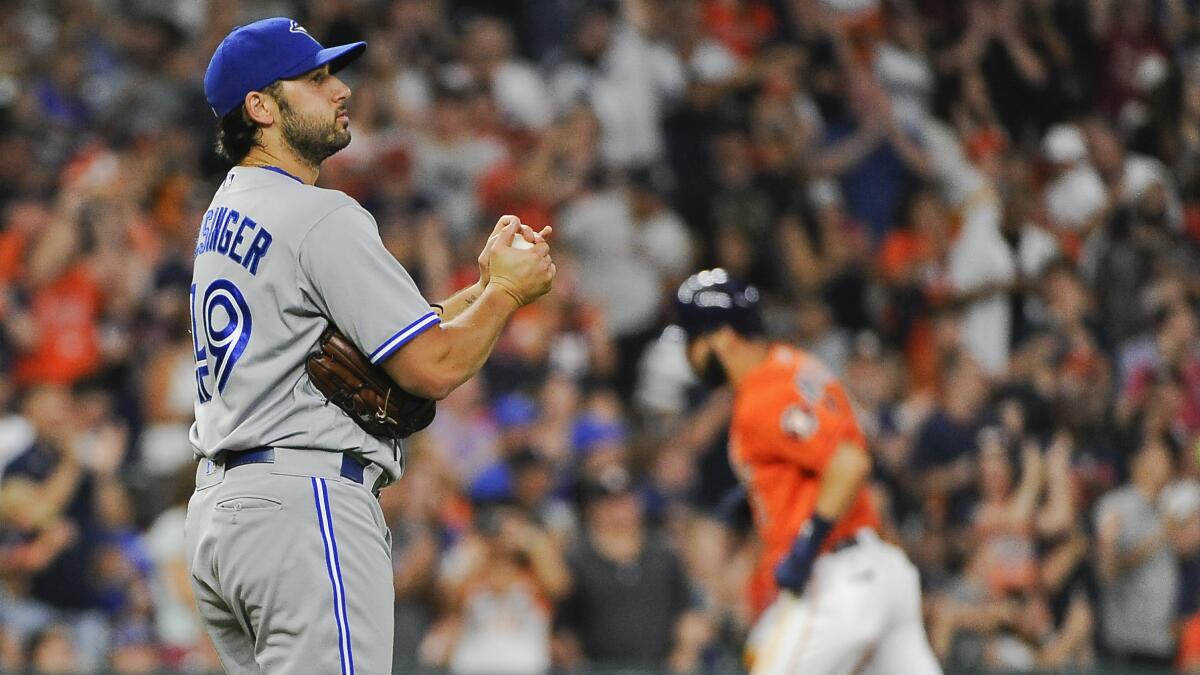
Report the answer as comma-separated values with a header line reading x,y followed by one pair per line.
x,y
984,215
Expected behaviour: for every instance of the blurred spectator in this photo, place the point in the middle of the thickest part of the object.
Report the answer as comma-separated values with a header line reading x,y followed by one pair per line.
x,y
875,157
58,339
980,266
1136,565
59,570
625,76
945,445
1077,200
664,239
912,264
629,602
1132,45
828,253
741,212
51,651
163,448
743,26
617,269
500,582
176,625
903,67
1011,59
1175,363
450,159
820,336
520,94
464,434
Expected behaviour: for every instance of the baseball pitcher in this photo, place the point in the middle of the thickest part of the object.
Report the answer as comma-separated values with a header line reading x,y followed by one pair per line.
x,y
837,599
288,551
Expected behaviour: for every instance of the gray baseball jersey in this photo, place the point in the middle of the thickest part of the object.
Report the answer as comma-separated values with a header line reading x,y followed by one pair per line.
x,y
276,261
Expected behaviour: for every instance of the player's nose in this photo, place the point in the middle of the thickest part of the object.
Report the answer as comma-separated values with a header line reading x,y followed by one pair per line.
x,y
341,90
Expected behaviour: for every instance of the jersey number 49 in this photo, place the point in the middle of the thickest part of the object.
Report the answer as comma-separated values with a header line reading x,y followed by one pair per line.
x,y
220,332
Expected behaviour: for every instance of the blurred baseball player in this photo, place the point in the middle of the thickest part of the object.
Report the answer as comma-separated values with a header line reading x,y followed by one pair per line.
x,y
840,600
288,550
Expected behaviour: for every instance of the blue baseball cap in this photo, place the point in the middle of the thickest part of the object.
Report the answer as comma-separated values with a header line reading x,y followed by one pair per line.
x,y
589,432
514,410
253,56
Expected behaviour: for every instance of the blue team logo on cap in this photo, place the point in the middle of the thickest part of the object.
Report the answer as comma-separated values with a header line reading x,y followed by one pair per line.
x,y
297,28
253,56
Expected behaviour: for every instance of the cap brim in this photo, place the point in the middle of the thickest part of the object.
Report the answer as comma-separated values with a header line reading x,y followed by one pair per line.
x,y
341,56
336,57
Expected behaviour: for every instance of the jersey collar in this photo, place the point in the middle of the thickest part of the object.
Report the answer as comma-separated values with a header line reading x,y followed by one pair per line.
x,y
279,171
778,353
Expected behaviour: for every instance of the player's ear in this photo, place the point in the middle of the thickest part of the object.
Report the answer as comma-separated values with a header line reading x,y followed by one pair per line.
x,y
723,336
697,354
259,108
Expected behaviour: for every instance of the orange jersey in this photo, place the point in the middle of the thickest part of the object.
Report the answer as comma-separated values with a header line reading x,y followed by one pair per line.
x,y
789,417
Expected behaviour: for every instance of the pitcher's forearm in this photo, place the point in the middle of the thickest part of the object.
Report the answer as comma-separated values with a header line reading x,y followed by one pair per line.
x,y
437,362
474,332
458,303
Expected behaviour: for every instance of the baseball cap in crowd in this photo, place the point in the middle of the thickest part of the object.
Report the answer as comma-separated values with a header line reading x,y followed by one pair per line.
x,y
1064,144
493,484
589,433
253,56
515,410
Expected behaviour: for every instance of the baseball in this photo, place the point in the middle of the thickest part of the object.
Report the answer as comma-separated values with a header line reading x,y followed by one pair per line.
x,y
521,242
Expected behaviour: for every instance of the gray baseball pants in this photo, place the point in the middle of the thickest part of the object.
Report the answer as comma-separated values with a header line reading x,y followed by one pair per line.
x,y
291,566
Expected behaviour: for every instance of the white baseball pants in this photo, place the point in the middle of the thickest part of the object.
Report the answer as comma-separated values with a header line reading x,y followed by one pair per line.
x,y
860,615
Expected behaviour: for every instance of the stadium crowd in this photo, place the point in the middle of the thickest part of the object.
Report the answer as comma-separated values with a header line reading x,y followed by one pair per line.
x,y
984,215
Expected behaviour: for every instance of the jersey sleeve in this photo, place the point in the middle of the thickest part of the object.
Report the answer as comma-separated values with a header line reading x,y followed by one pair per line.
x,y
360,286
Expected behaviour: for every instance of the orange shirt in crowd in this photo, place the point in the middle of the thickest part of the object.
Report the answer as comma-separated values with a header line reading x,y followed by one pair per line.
x,y
12,254
904,254
789,417
906,257
1189,644
499,193
65,314
742,27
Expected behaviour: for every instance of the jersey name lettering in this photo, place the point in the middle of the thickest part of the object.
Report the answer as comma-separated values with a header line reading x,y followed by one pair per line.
x,y
234,235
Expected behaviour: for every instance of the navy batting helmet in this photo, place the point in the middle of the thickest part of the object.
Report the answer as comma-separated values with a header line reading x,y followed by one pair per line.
x,y
711,299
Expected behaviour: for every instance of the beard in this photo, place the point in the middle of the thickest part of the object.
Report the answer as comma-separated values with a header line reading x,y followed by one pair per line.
x,y
313,140
714,375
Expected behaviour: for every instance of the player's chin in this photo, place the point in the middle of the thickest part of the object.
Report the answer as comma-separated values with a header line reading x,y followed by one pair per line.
x,y
339,139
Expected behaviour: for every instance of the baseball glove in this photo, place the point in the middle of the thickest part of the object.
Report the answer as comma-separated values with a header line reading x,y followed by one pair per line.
x,y
362,389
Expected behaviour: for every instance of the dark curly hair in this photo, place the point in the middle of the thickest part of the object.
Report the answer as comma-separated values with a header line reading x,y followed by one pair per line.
x,y
237,134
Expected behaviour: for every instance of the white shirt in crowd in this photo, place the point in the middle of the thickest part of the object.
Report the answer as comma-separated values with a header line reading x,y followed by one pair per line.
x,y
909,81
980,258
520,93
450,173
664,241
16,435
163,447
629,93
599,228
1076,197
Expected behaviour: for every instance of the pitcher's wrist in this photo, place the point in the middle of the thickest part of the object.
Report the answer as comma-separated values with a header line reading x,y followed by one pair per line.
x,y
504,285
